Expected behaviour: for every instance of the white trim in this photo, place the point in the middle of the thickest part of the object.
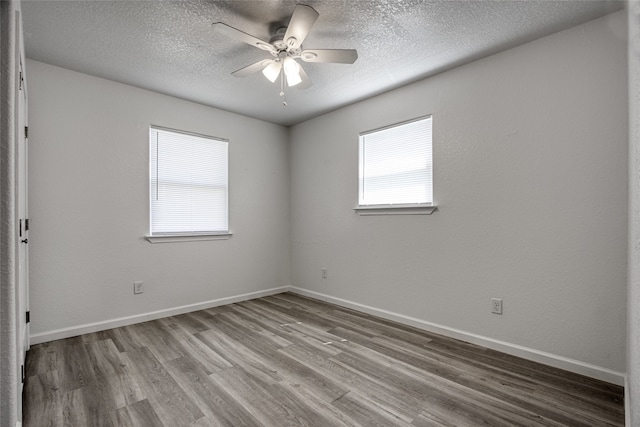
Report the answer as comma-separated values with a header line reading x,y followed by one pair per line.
x,y
394,125
174,238
184,132
417,209
572,365
627,403
130,320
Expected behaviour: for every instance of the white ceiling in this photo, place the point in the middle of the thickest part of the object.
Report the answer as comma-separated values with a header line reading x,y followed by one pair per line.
x,y
170,46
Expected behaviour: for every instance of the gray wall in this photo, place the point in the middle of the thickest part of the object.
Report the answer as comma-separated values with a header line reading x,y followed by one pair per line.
x,y
530,175
89,198
632,393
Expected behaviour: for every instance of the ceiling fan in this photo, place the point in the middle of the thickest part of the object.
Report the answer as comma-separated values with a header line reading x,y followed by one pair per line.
x,y
286,48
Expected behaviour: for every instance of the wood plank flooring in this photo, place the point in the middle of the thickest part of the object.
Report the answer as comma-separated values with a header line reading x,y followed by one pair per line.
x,y
287,360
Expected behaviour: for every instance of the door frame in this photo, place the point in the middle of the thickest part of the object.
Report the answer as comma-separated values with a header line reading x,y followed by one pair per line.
x,y
21,214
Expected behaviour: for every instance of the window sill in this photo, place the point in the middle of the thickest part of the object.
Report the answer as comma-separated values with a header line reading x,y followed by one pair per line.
x,y
175,238
395,210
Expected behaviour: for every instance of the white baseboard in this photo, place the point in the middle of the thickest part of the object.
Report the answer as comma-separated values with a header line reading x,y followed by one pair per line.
x,y
556,361
534,355
627,403
130,320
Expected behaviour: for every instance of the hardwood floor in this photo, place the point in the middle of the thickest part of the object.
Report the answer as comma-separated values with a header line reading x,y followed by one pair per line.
x,y
287,360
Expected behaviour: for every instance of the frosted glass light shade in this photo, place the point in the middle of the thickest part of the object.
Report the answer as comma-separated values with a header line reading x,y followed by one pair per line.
x,y
292,71
272,71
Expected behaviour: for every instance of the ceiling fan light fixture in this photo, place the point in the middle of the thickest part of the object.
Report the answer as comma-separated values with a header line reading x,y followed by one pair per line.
x,y
292,71
285,47
272,71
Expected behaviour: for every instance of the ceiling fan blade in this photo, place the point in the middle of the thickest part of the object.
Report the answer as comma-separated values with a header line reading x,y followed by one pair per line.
x,y
300,24
336,56
252,69
306,81
243,37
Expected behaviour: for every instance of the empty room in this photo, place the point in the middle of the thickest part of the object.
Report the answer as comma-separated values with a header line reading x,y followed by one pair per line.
x,y
320,213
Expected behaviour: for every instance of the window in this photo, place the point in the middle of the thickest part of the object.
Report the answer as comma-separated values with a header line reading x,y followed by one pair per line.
x,y
188,184
396,167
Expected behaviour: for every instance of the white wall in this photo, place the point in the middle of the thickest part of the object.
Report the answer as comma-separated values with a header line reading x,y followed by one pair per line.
x,y
530,175
89,204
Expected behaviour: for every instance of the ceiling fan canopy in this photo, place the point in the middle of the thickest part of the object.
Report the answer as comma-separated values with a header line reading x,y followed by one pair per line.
x,y
285,48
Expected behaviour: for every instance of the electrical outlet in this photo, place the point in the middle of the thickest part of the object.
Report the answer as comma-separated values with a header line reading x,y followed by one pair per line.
x,y
138,288
324,272
496,305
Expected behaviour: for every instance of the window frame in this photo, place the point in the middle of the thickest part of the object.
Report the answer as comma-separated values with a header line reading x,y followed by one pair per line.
x,y
393,208
185,236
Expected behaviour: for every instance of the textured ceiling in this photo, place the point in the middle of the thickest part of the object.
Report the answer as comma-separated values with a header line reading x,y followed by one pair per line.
x,y
171,47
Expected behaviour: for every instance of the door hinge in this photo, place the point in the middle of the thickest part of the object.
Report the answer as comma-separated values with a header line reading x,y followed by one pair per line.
x,y
26,132
20,229
26,224
28,316
21,80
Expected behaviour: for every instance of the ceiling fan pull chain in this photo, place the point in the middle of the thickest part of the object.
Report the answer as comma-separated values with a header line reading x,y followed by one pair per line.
x,y
284,103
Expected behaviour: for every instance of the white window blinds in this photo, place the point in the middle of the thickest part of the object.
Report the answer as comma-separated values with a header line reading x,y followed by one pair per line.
x,y
396,165
188,183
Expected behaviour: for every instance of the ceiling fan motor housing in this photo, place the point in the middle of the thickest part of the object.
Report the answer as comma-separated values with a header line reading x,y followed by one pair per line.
x,y
281,45
278,39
